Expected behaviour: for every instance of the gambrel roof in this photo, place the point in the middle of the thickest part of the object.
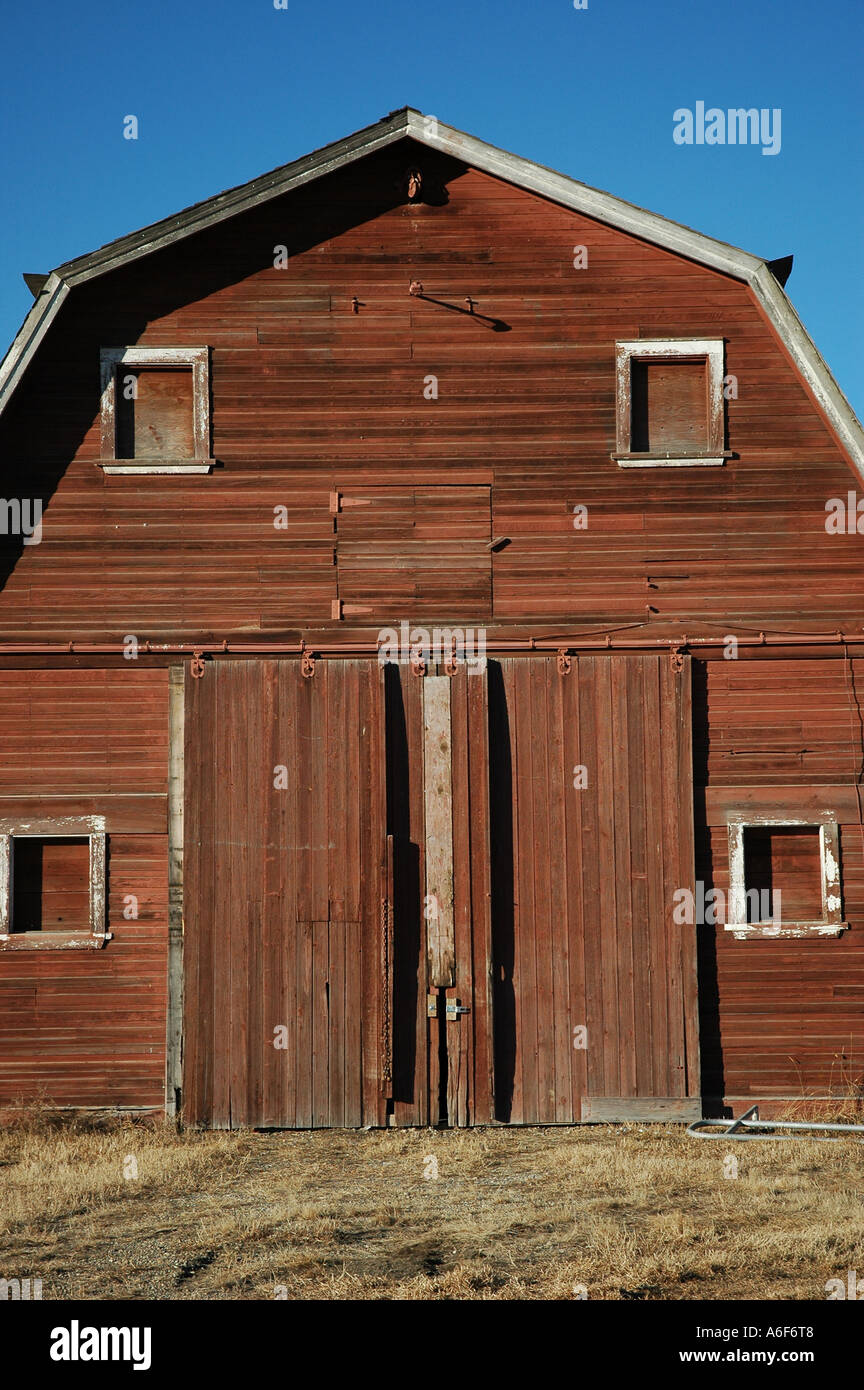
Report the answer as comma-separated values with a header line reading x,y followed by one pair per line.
x,y
427,130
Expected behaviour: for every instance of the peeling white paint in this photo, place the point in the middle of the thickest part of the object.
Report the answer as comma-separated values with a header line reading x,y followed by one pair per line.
x,y
831,924
93,827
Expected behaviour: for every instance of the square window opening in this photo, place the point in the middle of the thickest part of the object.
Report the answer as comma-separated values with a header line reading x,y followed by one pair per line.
x,y
784,878
50,883
155,416
155,410
783,873
669,406
669,403
53,884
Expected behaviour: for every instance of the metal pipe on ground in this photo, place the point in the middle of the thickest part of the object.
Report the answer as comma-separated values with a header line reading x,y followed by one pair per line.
x,y
742,1127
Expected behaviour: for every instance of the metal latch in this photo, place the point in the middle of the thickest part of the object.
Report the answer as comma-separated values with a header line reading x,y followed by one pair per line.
x,y
431,1005
454,1008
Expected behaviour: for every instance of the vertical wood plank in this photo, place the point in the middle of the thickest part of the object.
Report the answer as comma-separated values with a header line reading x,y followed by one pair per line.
x,y
174,1021
575,757
222,899
481,1021
196,1015
591,872
305,1113
459,1031
239,910
606,923
427,1070
285,884
687,875
270,965
671,939
256,800
527,1041
643,967
372,793
320,1013
560,790
438,789
656,881
546,860
620,869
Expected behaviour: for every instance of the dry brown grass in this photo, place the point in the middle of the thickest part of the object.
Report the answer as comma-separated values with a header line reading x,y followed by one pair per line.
x,y
630,1212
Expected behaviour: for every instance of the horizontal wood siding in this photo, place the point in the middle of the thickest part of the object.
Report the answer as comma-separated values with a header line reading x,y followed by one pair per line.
x,y
87,1028
414,553
780,739
309,396
485,430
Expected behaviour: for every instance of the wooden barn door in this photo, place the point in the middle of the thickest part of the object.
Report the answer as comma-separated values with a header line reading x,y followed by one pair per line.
x,y
286,1004
453,903
592,833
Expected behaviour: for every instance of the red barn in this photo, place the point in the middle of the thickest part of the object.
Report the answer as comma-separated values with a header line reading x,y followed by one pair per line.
x,y
430,661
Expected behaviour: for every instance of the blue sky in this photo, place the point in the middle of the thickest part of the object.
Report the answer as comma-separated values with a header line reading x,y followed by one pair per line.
x,y
226,89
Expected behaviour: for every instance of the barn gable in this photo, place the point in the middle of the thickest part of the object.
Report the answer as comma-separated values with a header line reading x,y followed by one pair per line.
x,y
327,376
433,134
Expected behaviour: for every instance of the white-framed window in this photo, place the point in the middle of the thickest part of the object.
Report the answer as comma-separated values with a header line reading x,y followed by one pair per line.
x,y
155,410
784,878
52,884
669,405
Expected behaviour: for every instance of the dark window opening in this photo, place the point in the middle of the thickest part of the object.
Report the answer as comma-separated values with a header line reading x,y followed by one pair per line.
x,y
50,883
668,406
784,859
154,413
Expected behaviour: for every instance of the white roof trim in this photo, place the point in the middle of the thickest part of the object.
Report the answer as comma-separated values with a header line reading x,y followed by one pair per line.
x,y
426,130
45,307
810,363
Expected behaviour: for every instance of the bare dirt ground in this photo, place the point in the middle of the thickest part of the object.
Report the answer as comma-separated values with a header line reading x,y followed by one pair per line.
x,y
626,1212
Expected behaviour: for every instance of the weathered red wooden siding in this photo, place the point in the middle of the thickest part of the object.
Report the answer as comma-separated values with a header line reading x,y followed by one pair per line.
x,y
583,882
309,397
470,1038
419,1042
283,895
782,738
87,1028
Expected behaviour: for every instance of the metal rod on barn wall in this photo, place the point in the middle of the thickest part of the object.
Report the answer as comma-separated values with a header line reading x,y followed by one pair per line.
x,y
573,643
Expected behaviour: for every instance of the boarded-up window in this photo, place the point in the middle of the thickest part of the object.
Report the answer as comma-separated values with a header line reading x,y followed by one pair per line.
x,y
154,413
785,860
669,406
670,403
50,883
